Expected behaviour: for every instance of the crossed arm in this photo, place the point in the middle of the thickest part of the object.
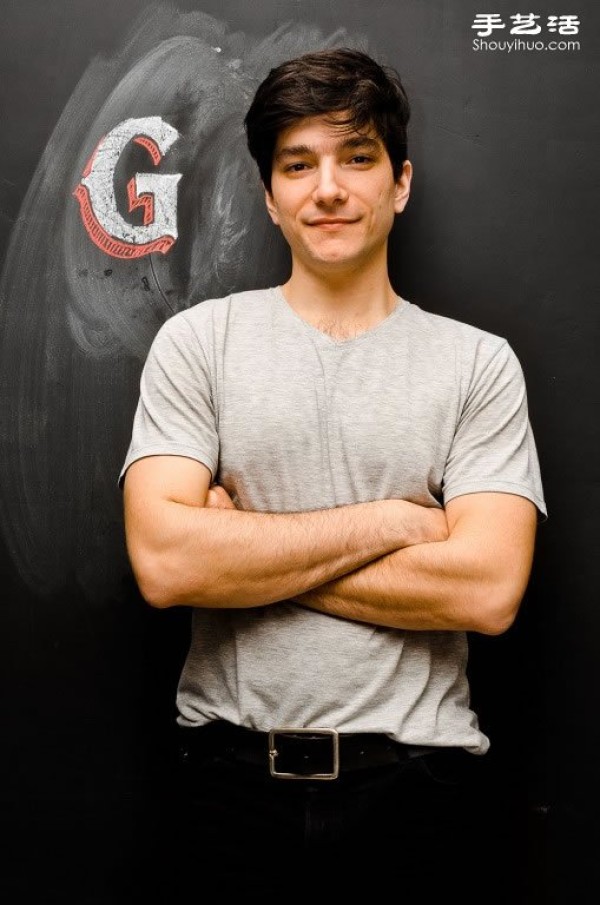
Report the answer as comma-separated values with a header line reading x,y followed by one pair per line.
x,y
387,562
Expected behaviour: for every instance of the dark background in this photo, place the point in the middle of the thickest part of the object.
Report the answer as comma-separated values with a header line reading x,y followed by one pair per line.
x,y
500,231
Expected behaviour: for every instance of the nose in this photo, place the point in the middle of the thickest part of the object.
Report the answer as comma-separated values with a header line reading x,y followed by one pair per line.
x,y
329,187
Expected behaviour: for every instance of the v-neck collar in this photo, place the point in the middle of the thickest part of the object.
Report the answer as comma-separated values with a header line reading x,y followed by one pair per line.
x,y
327,341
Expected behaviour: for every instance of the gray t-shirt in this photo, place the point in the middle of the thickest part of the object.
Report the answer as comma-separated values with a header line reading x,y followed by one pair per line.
x,y
289,419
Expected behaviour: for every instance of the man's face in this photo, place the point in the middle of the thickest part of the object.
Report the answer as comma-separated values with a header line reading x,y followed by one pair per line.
x,y
333,194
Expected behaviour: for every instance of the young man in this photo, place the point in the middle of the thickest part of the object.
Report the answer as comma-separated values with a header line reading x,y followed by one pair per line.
x,y
341,486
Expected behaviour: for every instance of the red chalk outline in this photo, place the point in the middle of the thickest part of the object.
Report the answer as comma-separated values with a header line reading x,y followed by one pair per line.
x,y
116,248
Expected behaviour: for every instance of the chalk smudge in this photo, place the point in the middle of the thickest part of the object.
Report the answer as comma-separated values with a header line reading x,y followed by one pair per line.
x,y
75,324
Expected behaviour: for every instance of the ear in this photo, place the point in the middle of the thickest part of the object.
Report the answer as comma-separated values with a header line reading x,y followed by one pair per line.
x,y
271,207
403,187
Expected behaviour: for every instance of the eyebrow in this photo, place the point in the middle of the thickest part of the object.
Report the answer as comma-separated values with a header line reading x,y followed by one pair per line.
x,y
349,144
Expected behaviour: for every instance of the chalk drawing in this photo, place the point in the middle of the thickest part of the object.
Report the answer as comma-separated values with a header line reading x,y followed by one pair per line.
x,y
76,321
156,195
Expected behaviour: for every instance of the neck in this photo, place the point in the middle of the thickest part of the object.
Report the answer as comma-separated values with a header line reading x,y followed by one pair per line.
x,y
364,295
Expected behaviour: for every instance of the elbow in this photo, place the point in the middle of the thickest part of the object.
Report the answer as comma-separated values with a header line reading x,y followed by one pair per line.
x,y
153,586
157,594
496,610
159,581
496,624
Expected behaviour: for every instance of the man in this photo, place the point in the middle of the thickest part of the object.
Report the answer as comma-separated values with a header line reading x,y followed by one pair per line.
x,y
341,486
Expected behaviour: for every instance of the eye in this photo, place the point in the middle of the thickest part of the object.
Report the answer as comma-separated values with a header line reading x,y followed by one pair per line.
x,y
295,167
361,158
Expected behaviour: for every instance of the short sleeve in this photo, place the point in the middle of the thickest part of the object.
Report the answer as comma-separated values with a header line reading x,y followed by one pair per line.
x,y
493,447
175,414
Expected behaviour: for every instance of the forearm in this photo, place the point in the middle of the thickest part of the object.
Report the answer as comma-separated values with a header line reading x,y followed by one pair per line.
x,y
425,587
233,558
472,581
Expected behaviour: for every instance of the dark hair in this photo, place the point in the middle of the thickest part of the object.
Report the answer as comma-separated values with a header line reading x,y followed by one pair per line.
x,y
323,82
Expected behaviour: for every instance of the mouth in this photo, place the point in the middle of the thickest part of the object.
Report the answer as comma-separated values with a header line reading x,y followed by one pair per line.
x,y
330,222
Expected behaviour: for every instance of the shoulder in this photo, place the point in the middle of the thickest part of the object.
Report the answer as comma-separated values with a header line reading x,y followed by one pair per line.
x,y
205,321
452,330
249,303
472,347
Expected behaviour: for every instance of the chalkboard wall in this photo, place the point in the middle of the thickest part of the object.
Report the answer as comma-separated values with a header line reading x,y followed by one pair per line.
x,y
500,231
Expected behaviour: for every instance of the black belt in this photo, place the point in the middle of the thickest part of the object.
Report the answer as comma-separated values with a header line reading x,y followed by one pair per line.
x,y
299,753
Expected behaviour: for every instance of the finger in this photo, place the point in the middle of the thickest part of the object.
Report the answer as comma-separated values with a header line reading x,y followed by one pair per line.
x,y
223,497
212,500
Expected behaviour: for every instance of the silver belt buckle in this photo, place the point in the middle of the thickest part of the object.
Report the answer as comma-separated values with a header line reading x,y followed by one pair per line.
x,y
292,730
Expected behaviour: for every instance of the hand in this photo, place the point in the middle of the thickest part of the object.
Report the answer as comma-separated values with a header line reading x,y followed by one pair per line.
x,y
417,524
435,525
218,498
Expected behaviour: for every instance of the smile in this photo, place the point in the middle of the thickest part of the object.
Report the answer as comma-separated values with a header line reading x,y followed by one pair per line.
x,y
331,224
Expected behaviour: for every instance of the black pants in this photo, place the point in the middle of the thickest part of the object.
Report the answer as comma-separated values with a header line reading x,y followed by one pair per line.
x,y
423,830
